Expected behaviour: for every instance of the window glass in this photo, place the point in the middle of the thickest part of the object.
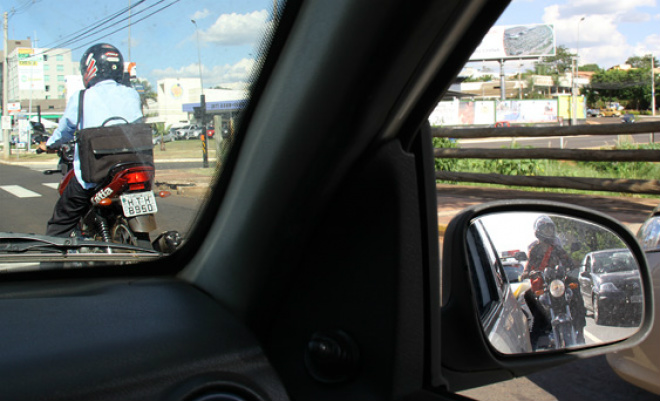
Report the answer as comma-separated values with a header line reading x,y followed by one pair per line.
x,y
649,234
187,73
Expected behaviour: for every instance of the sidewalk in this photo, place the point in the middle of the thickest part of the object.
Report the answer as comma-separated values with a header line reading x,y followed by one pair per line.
x,y
630,211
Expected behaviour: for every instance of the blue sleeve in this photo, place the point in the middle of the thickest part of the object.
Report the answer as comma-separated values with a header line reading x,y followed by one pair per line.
x,y
68,122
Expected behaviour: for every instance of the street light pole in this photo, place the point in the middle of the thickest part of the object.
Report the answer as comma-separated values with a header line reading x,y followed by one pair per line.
x,y
5,133
576,70
202,103
199,56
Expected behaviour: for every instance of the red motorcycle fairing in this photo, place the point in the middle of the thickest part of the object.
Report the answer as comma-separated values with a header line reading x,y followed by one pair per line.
x,y
135,178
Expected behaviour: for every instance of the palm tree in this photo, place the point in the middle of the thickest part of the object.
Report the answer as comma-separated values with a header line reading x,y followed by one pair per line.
x,y
146,93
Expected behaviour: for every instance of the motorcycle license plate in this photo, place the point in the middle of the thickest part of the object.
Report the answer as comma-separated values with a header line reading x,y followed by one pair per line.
x,y
636,299
139,203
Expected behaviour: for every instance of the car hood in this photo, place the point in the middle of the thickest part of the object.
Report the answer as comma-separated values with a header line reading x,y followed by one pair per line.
x,y
618,278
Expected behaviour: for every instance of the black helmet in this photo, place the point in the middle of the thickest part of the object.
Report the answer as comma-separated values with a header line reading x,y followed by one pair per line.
x,y
101,62
544,229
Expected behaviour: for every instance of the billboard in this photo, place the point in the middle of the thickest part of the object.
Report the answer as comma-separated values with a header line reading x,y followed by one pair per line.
x,y
516,42
454,112
527,111
30,69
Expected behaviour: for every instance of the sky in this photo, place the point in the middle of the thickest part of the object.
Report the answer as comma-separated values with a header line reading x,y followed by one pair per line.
x,y
611,32
164,42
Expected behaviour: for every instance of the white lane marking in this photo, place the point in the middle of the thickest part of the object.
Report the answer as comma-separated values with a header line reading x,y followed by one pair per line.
x,y
19,191
593,337
53,185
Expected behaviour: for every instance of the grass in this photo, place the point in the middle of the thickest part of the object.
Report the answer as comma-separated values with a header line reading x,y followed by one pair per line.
x,y
189,149
556,168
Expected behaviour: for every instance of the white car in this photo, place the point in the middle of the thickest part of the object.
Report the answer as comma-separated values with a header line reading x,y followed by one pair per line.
x,y
190,131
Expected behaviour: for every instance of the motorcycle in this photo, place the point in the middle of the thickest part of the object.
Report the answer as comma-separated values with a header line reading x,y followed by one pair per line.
x,y
123,207
554,294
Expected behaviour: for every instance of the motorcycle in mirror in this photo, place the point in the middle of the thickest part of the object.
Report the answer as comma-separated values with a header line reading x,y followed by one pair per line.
x,y
554,303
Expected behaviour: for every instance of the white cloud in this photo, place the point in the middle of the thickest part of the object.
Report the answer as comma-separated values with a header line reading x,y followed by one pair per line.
x,y
238,29
200,15
236,75
597,37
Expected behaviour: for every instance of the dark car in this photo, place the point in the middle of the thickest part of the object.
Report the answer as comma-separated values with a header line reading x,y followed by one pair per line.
x,y
611,286
628,118
513,270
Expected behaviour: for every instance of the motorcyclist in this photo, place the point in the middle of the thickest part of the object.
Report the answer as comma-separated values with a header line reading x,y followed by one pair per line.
x,y
102,69
547,251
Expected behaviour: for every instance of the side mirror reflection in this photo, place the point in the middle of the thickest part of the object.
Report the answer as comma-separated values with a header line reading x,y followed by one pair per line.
x,y
548,282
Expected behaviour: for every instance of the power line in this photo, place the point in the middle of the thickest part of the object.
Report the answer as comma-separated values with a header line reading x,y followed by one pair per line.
x,y
126,26
77,35
23,7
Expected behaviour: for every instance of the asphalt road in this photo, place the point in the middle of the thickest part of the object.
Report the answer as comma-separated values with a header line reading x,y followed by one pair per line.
x,y
27,197
571,142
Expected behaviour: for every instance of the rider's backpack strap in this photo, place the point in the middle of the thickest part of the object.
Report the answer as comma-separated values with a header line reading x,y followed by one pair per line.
x,y
81,99
546,258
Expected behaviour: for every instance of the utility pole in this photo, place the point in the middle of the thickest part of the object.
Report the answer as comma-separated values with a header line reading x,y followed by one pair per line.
x,y
5,133
502,81
652,135
129,31
652,85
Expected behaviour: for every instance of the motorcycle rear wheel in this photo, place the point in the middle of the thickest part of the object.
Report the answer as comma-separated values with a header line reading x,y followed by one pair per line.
x,y
121,233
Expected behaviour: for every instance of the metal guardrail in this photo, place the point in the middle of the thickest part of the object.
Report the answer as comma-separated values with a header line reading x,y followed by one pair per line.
x,y
580,183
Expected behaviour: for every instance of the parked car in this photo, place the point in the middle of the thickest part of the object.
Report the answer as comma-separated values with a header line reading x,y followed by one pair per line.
x,y
312,270
611,287
171,136
640,365
190,131
509,331
594,113
210,131
628,118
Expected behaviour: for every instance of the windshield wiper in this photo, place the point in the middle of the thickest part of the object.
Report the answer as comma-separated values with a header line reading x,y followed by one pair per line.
x,y
32,247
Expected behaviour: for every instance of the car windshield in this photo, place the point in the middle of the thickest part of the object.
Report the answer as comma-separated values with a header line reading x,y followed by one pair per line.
x,y
186,64
614,262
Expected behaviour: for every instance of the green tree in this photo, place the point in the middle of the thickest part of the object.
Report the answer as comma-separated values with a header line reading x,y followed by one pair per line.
x,y
580,238
630,87
561,62
484,78
643,62
147,94
590,67
555,66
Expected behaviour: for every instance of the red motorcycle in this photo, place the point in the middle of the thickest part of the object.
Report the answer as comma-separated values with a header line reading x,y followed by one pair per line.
x,y
123,207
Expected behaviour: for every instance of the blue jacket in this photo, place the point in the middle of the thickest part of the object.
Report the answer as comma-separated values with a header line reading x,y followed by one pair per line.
x,y
104,100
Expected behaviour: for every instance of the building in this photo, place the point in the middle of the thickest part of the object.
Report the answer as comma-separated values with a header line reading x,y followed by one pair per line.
x,y
36,78
178,97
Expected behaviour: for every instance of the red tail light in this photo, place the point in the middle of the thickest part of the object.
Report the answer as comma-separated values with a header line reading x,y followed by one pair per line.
x,y
139,177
